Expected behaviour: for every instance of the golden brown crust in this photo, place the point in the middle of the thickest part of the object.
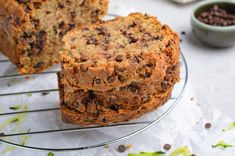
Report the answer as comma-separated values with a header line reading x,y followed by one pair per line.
x,y
109,116
31,31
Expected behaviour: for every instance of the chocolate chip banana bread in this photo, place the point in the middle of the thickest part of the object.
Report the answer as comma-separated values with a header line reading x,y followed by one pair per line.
x,y
117,70
31,30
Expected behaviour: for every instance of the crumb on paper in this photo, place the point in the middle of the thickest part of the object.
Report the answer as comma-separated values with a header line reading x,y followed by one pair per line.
x,y
129,146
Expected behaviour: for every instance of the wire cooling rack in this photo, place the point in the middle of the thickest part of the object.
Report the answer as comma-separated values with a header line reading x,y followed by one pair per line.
x,y
37,119
30,116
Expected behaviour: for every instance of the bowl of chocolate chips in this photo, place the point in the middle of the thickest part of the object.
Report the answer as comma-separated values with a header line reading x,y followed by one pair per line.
x,y
213,22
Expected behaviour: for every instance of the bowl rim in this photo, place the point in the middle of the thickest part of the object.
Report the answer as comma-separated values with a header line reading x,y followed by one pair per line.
x,y
207,26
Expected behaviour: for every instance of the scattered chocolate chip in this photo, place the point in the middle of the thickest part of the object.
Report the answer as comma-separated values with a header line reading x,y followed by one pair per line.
x,y
104,120
111,79
45,93
121,148
208,125
167,146
183,33
83,68
119,58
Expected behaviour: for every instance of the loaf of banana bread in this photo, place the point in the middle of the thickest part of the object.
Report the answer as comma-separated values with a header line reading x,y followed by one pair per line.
x,y
31,30
117,70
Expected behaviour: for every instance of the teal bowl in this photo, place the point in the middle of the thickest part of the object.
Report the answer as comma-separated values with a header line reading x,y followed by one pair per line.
x,y
216,36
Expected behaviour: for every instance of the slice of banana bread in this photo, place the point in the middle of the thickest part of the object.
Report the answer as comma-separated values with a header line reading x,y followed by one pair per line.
x,y
115,53
117,70
31,30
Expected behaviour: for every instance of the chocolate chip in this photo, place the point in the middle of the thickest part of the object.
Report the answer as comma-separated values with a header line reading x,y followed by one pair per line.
x,y
44,93
2,134
132,40
73,14
98,81
167,146
85,29
83,58
134,87
83,68
208,125
23,1
121,78
61,25
92,40
132,25
60,5
113,100
164,85
86,101
114,107
91,94
104,120
101,30
27,9
17,21
98,102
120,69
37,5
111,79
107,55
122,88
121,148
119,58
183,33
39,64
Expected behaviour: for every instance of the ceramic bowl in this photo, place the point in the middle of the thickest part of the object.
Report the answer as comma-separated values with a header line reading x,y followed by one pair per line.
x,y
216,36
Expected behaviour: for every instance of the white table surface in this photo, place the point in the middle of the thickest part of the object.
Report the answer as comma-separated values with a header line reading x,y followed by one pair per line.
x,y
211,70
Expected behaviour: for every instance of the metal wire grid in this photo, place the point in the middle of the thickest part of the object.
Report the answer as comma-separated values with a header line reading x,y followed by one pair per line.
x,y
146,124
